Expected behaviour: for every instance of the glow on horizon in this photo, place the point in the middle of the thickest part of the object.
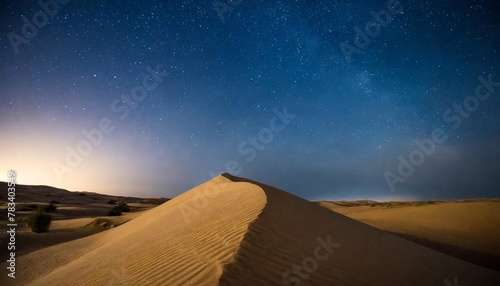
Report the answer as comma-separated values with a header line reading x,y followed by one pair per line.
x,y
378,198
112,168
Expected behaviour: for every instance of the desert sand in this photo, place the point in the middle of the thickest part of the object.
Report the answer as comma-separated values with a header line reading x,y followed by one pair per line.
x,y
468,229
233,231
78,214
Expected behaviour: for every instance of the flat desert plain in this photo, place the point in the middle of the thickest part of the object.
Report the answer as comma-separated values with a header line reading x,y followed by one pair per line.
x,y
234,231
468,229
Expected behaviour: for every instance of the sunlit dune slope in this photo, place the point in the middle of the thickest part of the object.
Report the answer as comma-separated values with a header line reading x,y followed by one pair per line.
x,y
186,241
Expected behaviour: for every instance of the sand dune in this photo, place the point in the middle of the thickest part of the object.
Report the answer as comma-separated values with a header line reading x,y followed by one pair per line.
x,y
232,231
287,232
163,246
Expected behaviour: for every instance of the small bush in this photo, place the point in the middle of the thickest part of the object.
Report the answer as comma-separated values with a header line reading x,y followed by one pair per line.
x,y
54,202
39,221
112,202
115,211
50,208
123,206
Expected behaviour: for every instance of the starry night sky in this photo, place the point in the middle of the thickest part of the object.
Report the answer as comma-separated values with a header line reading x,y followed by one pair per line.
x,y
218,76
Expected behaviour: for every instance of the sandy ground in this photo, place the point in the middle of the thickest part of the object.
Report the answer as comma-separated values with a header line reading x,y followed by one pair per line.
x,y
78,215
468,229
232,231
187,241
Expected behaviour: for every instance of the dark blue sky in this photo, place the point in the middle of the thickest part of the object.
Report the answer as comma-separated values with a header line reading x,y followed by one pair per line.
x,y
324,99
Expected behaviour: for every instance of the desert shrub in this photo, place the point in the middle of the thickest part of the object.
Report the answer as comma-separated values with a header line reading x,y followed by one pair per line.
x,y
50,208
118,209
54,202
115,211
39,221
112,202
123,206
81,194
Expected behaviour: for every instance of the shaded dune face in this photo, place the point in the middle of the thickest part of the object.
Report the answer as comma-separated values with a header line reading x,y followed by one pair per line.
x,y
233,231
286,236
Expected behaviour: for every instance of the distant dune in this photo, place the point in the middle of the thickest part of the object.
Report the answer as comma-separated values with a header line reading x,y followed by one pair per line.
x,y
233,231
